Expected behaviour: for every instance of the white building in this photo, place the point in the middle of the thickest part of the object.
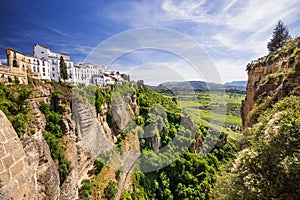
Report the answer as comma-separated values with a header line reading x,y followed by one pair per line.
x,y
85,73
22,63
53,58
40,66
45,64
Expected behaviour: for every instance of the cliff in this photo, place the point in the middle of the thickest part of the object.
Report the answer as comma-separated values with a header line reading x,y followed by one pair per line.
x,y
27,167
270,79
267,164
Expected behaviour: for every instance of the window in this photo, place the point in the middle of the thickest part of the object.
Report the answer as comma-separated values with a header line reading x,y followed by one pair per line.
x,y
38,69
15,63
44,70
42,52
53,75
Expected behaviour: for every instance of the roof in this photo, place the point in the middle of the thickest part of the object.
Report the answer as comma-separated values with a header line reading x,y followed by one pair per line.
x,y
17,52
41,46
52,51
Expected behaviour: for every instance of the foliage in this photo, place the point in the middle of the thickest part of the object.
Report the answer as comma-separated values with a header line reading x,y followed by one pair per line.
x,y
190,176
280,36
99,100
110,191
99,164
140,83
52,135
268,167
86,189
63,72
93,95
125,77
126,195
13,103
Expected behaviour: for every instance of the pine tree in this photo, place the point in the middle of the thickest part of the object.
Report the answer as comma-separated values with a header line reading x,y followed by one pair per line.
x,y
63,69
280,35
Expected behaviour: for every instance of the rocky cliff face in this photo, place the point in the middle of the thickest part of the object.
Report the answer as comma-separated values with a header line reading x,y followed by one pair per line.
x,y
27,170
270,79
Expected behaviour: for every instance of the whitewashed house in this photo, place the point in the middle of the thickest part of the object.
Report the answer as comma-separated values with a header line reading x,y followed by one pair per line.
x,y
45,53
85,73
45,64
40,66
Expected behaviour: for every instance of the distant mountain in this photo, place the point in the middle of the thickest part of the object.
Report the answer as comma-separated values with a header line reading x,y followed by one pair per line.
x,y
241,85
202,85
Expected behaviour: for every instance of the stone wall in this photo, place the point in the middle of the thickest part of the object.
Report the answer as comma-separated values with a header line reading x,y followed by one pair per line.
x,y
27,170
5,72
14,169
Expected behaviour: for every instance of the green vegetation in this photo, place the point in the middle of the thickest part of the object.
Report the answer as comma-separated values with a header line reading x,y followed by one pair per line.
x,y
213,109
53,135
13,103
290,50
110,191
140,83
98,164
268,167
93,95
85,191
63,72
280,36
190,176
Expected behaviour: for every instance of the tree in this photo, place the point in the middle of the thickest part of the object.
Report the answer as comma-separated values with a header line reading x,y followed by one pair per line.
x,y
63,69
140,83
280,35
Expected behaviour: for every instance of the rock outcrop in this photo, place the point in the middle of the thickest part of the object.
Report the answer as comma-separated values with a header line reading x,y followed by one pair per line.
x,y
273,77
27,170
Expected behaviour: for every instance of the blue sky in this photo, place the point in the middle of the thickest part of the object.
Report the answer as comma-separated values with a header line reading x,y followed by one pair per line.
x,y
231,32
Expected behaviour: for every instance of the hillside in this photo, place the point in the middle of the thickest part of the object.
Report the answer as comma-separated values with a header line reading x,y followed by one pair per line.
x,y
236,85
92,143
201,85
267,166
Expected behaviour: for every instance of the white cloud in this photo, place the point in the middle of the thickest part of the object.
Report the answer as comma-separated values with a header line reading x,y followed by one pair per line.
x,y
227,29
231,70
3,61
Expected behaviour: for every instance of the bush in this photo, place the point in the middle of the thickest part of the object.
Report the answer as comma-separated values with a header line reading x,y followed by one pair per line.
x,y
86,187
13,103
110,191
99,164
52,136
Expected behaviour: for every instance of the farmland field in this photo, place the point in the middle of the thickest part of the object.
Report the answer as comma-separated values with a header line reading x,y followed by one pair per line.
x,y
218,110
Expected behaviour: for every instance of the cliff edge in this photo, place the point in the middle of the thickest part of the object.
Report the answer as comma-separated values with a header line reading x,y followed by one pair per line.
x,y
270,79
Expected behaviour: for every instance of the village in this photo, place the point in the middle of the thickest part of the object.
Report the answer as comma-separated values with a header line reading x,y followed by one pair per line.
x,y
45,65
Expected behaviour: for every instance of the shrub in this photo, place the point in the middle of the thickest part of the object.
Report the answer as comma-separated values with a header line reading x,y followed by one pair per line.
x,y
86,187
110,191
99,164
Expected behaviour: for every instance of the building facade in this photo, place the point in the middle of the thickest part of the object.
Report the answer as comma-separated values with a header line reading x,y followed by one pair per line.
x,y
53,58
21,63
45,65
